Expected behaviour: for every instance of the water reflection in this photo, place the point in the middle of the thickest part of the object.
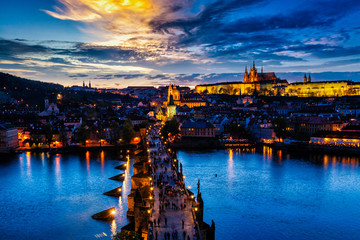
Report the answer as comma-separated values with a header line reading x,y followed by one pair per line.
x,y
267,153
58,169
231,164
87,157
42,155
113,227
102,159
281,197
28,164
62,195
333,161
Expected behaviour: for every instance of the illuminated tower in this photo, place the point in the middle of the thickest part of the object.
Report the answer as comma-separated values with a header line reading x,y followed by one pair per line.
x,y
309,78
304,79
246,76
170,93
171,108
46,103
253,73
175,93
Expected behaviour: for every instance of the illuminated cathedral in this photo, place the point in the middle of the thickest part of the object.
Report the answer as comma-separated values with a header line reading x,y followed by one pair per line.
x,y
254,76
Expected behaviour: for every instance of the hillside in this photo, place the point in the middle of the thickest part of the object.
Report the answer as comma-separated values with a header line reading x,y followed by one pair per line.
x,y
16,89
25,90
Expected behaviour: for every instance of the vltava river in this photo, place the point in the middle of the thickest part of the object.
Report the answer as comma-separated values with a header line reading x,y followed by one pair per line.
x,y
276,196
254,196
53,196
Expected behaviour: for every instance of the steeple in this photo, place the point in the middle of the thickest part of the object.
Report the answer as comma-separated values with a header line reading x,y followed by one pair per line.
x,y
46,103
304,79
253,65
89,84
83,84
262,70
309,78
246,75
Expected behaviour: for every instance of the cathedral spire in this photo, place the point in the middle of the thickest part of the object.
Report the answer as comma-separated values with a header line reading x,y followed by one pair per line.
x,y
262,70
254,65
246,75
304,79
309,78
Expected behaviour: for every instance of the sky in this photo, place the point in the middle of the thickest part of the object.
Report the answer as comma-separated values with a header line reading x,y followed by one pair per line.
x,y
120,43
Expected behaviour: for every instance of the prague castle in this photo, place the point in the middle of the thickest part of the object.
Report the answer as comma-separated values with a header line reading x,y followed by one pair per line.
x,y
268,84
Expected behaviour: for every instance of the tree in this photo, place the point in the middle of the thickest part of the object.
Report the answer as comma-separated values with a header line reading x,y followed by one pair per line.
x,y
128,131
127,235
280,125
63,136
170,127
115,132
82,134
237,131
48,134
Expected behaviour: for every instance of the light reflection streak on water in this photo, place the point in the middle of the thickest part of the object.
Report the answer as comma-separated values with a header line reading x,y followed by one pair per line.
x,y
127,177
326,162
58,169
267,153
279,155
113,227
28,164
102,159
231,165
87,156
21,161
43,159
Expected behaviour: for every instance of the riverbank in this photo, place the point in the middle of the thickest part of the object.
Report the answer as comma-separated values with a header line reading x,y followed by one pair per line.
x,y
246,146
76,149
312,148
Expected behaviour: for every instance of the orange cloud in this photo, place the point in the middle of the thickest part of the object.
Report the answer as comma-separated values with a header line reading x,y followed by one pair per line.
x,y
127,24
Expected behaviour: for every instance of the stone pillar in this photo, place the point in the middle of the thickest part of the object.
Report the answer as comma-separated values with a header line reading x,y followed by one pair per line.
x,y
200,205
141,216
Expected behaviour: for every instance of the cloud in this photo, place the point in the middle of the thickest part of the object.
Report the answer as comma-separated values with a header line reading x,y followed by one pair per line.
x,y
78,75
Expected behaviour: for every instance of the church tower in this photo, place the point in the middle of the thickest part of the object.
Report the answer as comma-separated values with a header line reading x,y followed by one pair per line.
x,y
253,73
246,76
83,84
46,103
304,79
171,108
170,93
309,78
89,84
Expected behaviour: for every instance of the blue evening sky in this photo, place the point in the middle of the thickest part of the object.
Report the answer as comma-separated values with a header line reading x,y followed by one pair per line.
x,y
116,43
